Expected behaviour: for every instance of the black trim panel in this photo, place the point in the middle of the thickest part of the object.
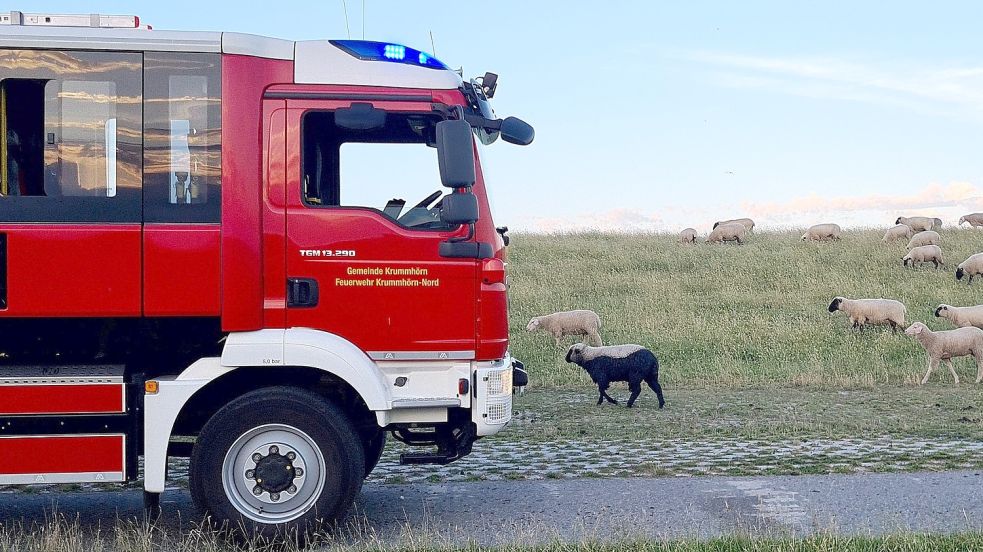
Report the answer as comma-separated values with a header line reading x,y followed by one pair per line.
x,y
272,95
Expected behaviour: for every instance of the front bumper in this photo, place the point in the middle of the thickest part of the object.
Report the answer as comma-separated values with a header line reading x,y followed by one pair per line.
x,y
493,382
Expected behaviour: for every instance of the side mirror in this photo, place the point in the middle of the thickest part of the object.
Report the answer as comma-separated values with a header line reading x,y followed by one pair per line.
x,y
459,208
360,116
455,154
517,131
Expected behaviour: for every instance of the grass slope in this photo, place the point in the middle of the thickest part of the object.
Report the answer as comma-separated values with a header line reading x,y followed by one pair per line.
x,y
735,316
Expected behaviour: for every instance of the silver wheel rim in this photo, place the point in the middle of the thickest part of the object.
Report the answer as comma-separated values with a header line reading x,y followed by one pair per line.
x,y
261,449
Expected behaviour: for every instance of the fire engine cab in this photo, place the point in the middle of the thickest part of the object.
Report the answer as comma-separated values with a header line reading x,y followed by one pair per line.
x,y
263,255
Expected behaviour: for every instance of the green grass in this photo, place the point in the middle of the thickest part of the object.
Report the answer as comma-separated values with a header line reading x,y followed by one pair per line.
x,y
702,415
735,316
60,534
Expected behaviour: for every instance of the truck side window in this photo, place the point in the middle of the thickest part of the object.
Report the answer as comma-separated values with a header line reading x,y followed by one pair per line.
x,y
390,170
70,136
182,137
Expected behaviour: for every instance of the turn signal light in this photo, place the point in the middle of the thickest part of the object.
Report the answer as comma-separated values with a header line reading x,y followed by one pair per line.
x,y
151,387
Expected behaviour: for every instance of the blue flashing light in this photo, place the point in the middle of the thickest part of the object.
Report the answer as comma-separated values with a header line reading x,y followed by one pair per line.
x,y
394,52
368,50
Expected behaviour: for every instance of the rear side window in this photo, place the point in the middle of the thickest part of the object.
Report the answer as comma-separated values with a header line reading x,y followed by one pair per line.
x,y
70,136
182,137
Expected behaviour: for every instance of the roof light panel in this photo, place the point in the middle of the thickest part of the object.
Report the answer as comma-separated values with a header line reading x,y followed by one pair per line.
x,y
369,50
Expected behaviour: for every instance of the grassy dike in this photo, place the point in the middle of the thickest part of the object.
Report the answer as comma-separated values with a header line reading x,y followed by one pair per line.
x,y
731,317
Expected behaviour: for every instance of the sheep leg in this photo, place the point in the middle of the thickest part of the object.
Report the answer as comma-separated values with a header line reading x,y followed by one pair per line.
x,y
602,388
933,363
653,382
970,279
596,338
952,369
894,327
979,367
636,389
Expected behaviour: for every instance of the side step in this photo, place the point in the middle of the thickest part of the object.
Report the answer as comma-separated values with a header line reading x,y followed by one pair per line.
x,y
411,458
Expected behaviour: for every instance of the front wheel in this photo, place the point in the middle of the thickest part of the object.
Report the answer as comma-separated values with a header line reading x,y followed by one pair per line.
x,y
277,459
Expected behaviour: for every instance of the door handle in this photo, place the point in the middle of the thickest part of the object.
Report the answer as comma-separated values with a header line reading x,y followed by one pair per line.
x,y
302,292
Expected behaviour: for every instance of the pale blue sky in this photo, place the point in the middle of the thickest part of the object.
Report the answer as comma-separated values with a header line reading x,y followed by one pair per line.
x,y
658,115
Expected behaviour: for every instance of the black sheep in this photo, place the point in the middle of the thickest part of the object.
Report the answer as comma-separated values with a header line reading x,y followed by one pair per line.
x,y
631,363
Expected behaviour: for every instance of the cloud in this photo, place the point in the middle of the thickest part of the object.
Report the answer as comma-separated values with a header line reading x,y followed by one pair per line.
x,y
931,88
619,220
948,201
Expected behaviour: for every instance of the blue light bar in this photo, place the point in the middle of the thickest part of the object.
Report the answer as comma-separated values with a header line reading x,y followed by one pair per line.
x,y
369,50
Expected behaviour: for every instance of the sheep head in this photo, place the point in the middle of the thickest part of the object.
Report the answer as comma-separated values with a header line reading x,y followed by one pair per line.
x,y
576,353
899,220
962,219
959,273
915,329
533,324
835,304
939,310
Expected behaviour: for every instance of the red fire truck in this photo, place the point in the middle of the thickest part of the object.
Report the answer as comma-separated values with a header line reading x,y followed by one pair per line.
x,y
238,249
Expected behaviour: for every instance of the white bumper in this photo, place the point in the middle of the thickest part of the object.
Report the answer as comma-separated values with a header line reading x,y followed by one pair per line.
x,y
491,409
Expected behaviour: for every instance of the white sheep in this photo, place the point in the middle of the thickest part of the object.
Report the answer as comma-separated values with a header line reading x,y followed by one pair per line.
x,y
947,345
924,254
974,219
581,323
870,311
972,266
897,232
822,232
961,316
727,232
687,236
747,223
925,237
919,224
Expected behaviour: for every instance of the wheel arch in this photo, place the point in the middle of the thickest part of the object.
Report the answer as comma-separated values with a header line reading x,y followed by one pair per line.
x,y
325,363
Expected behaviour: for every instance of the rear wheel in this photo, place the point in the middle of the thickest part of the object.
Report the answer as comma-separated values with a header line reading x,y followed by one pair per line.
x,y
277,460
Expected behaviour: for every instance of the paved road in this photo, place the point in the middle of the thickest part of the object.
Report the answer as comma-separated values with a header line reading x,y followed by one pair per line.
x,y
536,511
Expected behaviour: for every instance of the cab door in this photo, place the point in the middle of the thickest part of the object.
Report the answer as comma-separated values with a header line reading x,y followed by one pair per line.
x,y
363,235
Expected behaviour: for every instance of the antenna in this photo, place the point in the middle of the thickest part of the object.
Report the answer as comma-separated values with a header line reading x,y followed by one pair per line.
x,y
344,6
433,48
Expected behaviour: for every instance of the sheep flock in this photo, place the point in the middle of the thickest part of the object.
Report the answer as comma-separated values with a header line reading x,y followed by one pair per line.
x,y
924,246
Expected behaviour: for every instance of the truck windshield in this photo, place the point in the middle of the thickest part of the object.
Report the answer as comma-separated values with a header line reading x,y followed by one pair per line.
x,y
390,170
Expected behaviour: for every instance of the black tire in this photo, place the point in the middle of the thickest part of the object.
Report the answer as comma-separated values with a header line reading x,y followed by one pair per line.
x,y
326,444
373,446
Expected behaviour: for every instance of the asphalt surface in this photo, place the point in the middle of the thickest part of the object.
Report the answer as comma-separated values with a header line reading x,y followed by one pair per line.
x,y
539,511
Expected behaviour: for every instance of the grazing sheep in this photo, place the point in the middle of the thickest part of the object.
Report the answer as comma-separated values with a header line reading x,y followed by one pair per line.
x,y
938,223
585,323
687,236
926,237
961,316
897,232
727,232
918,224
822,232
747,223
947,345
974,219
631,363
870,311
972,266
924,254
